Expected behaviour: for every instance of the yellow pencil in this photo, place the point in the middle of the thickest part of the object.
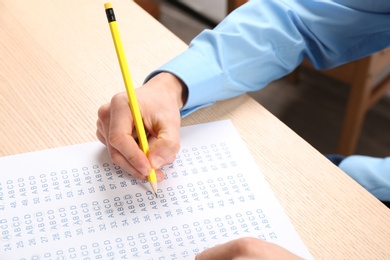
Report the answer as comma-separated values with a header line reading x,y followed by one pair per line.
x,y
133,103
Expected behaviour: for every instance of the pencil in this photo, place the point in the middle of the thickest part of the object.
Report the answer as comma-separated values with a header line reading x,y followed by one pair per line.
x,y
133,103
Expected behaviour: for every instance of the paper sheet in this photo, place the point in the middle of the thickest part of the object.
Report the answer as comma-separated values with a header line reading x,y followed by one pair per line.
x,y
73,203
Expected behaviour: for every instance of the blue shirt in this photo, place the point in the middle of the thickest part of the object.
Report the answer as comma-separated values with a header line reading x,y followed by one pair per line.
x,y
266,39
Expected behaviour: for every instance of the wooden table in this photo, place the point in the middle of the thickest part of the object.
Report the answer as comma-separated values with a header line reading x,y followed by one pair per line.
x,y
58,65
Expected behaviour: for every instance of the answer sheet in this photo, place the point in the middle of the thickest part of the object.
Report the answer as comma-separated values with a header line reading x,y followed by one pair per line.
x,y
73,203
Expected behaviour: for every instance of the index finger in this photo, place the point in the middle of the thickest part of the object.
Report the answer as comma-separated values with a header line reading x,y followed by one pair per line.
x,y
120,135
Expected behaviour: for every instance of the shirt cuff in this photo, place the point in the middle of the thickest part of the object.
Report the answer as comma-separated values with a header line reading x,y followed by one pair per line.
x,y
202,91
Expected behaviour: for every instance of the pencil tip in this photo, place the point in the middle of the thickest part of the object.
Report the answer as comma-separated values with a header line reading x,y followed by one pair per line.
x,y
154,187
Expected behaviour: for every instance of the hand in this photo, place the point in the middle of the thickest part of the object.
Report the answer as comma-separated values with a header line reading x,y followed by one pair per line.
x,y
247,248
160,101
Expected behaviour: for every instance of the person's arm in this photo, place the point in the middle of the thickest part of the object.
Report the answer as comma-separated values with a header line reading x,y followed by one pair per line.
x,y
247,248
264,40
260,42
372,173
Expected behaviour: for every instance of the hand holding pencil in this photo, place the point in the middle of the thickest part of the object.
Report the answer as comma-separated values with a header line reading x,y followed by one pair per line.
x,y
159,103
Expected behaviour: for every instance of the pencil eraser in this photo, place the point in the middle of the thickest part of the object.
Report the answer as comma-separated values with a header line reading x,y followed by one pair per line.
x,y
107,5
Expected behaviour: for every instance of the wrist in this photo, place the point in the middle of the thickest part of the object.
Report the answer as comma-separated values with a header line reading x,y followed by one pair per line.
x,y
172,85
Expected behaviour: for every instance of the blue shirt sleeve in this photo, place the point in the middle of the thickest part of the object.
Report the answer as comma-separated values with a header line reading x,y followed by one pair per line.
x,y
266,39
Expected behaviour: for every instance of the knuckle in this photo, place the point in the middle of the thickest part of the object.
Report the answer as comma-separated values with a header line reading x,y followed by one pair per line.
x,y
130,158
104,111
115,157
116,139
118,97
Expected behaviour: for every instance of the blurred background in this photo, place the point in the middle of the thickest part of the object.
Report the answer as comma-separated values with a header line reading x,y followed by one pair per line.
x,y
326,108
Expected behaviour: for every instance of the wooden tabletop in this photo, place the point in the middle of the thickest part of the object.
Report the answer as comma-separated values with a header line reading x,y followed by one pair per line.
x,y
58,66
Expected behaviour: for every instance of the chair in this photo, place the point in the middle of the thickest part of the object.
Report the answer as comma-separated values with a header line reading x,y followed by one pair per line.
x,y
368,78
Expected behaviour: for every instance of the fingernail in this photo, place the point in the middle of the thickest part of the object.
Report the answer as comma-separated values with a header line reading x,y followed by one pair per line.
x,y
160,178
